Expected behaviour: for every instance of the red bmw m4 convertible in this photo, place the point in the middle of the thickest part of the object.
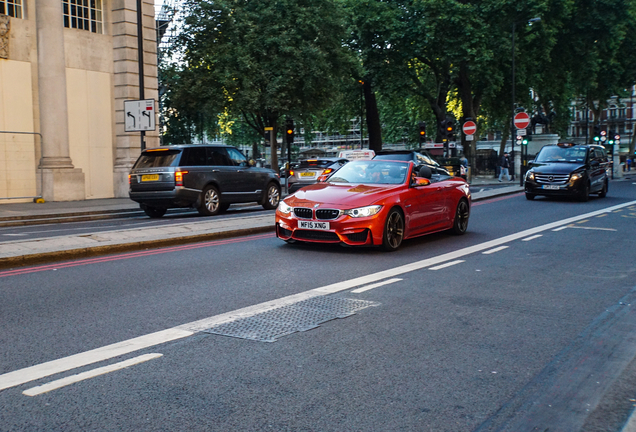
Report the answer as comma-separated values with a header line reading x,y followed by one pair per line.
x,y
375,203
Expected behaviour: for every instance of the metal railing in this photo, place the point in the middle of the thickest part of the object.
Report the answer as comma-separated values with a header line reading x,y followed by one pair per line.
x,y
41,170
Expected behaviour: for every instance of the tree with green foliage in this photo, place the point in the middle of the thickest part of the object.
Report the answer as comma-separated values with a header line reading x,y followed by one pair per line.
x,y
262,60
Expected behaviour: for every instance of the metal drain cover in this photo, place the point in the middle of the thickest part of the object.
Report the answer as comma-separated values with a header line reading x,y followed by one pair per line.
x,y
305,315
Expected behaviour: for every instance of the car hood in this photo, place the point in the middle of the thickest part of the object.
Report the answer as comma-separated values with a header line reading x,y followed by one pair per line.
x,y
556,168
349,195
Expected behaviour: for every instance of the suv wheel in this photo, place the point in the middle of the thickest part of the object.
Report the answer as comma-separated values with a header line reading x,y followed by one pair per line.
x,y
272,197
603,192
210,202
154,212
585,192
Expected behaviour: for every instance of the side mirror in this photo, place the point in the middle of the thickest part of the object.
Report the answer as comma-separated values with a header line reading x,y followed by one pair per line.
x,y
595,164
420,181
251,162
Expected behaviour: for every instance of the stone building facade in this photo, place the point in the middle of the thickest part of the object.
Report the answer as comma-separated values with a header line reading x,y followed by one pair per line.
x,y
66,68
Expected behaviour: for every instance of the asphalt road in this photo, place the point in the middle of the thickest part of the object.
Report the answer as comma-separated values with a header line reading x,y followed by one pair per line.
x,y
524,323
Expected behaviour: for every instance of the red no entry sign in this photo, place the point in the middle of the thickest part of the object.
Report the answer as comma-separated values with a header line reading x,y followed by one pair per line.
x,y
469,127
522,120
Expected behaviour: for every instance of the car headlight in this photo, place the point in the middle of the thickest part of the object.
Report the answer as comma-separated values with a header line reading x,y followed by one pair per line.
x,y
363,211
530,175
576,176
284,208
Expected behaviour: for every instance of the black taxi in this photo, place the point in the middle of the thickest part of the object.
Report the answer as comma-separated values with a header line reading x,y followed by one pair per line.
x,y
568,169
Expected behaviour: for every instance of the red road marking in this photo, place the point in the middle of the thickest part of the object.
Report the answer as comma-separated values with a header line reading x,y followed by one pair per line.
x,y
61,265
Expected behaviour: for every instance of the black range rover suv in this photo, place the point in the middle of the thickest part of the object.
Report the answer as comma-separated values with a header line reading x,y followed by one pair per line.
x,y
206,177
568,169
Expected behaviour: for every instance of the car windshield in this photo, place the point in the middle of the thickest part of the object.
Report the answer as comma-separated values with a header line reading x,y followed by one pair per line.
x,y
155,159
561,154
371,172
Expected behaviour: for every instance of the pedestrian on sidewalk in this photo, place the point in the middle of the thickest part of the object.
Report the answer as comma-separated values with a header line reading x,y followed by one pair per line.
x,y
504,165
629,163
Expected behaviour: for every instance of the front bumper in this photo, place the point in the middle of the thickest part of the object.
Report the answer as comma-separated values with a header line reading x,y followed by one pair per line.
x,y
346,230
570,188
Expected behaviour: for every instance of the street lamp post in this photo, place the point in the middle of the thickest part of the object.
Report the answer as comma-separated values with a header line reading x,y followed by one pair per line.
x,y
513,131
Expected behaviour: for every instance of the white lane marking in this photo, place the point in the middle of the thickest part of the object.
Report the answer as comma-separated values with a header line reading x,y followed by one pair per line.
x,y
561,228
25,375
14,235
63,382
532,238
592,228
497,249
376,285
448,264
53,367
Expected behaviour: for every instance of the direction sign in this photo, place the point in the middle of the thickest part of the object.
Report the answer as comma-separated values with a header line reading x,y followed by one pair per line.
x,y
139,115
469,127
522,120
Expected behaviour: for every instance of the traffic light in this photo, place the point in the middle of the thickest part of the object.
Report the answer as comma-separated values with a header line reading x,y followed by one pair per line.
x,y
597,133
289,131
447,130
422,134
450,130
524,141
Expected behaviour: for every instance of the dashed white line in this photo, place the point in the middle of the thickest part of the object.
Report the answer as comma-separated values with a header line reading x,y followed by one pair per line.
x,y
497,249
592,228
560,228
532,237
376,285
63,382
53,367
448,264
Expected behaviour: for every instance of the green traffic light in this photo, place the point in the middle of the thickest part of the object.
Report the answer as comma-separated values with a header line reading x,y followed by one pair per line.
x,y
597,138
524,142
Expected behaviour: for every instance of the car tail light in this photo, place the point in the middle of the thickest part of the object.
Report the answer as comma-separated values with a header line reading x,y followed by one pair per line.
x,y
129,179
291,173
327,171
178,177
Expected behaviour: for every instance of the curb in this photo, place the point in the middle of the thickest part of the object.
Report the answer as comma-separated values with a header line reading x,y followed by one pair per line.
x,y
46,257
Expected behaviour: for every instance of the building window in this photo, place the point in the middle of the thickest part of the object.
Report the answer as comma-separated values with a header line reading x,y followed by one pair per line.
x,y
11,7
83,14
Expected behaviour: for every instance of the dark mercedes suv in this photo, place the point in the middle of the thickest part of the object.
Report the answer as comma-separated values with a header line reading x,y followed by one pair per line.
x,y
568,169
206,177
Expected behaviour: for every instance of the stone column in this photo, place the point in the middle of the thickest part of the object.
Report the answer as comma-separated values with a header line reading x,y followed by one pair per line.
x,y
126,82
61,180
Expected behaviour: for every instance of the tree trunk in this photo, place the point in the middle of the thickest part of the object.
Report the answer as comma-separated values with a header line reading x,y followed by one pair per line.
x,y
373,118
470,109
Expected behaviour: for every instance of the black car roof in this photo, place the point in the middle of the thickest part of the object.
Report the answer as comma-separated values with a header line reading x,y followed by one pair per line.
x,y
182,146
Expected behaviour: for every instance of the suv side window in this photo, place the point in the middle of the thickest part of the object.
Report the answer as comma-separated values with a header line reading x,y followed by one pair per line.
x,y
600,153
218,156
193,156
237,157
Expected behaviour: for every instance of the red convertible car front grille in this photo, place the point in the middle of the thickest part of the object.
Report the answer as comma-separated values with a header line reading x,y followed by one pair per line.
x,y
303,213
316,235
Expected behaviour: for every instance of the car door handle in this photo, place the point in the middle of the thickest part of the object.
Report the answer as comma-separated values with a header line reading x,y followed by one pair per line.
x,y
215,170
